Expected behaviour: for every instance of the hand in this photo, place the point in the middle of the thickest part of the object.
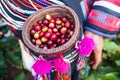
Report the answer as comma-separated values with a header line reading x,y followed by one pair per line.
x,y
1,33
96,57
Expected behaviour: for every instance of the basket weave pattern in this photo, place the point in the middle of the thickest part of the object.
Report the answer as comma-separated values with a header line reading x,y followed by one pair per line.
x,y
56,11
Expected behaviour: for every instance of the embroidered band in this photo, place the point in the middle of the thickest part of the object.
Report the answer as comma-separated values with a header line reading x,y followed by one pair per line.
x,y
104,20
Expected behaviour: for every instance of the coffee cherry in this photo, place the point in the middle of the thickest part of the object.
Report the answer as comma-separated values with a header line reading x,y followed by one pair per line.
x,y
52,21
44,40
54,37
48,17
62,41
58,26
64,19
41,46
38,41
63,30
50,42
36,35
45,22
33,41
37,27
51,25
47,35
58,22
55,30
40,21
58,34
44,29
71,33
67,24
41,34
72,26
51,32
32,32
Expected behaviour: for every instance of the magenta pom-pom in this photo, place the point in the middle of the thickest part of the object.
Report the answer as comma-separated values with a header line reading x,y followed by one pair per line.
x,y
86,46
61,65
42,66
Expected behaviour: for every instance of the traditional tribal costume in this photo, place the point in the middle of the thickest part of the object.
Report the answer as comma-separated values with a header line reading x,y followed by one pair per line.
x,y
98,16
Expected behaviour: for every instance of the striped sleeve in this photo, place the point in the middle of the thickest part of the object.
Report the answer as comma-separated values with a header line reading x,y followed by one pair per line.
x,y
15,12
104,18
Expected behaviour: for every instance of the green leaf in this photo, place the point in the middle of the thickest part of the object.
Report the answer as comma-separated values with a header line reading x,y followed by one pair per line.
x,y
3,67
110,45
117,62
20,76
116,56
14,60
109,76
91,77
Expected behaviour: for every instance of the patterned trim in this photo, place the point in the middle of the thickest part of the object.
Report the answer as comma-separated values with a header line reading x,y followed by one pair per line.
x,y
104,20
107,10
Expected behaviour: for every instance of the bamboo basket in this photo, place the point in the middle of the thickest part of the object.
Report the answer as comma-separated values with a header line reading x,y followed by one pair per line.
x,y
55,11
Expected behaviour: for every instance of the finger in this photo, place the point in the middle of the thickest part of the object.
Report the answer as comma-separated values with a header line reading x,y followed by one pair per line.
x,y
91,62
98,58
1,34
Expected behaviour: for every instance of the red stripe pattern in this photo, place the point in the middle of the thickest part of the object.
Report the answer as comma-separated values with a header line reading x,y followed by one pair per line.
x,y
104,20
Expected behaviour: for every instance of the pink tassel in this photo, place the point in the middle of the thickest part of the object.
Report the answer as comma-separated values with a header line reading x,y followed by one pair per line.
x,y
86,46
42,66
61,65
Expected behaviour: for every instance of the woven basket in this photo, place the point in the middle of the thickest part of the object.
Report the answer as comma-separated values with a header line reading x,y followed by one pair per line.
x,y
55,11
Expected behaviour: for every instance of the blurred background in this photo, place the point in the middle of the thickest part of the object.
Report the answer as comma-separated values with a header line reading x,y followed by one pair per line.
x,y
11,62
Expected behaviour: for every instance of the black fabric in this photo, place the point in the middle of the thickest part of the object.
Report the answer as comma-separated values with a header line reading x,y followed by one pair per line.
x,y
109,11
75,5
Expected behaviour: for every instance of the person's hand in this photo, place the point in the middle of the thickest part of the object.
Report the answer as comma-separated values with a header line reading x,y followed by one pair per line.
x,y
96,56
1,33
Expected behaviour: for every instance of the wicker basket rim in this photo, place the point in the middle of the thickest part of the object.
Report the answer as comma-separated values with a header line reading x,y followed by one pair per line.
x,y
58,49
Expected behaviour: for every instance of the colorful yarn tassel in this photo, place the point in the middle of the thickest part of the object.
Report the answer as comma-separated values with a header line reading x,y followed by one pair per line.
x,y
61,65
42,66
86,46
80,63
57,76
44,77
64,76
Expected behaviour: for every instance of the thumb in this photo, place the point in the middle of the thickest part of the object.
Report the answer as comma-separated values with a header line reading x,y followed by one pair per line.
x,y
1,33
97,58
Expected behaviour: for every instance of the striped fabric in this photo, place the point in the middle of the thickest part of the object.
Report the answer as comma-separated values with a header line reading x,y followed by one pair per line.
x,y
15,12
104,18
